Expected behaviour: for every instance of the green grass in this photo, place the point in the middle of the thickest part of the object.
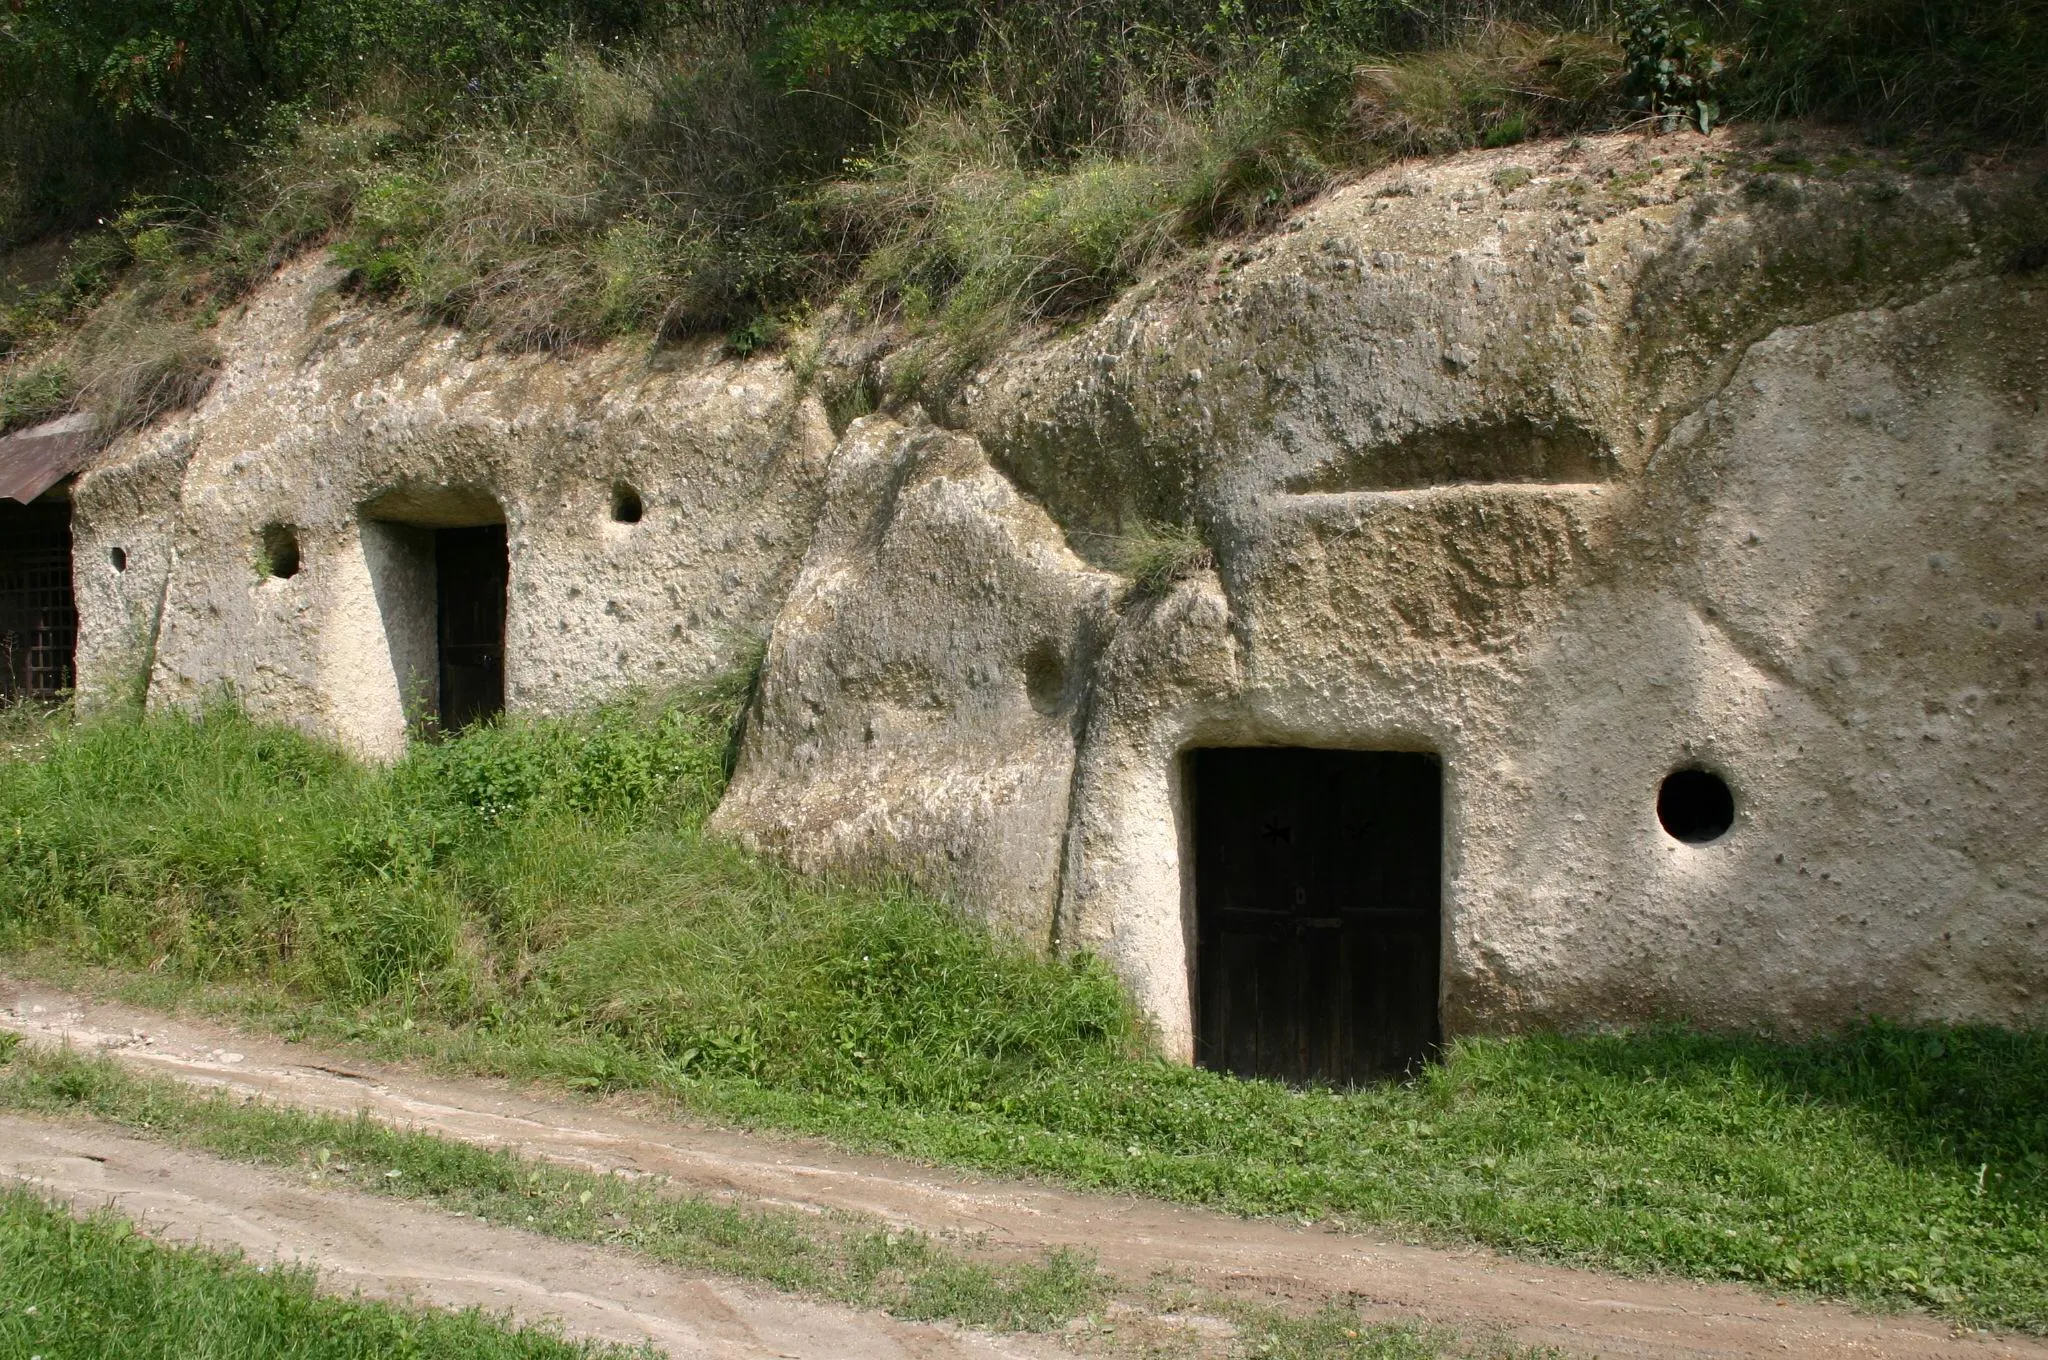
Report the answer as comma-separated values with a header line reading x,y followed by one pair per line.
x,y
845,1258
32,395
1158,556
1892,1166
538,900
1336,1333
98,1289
535,879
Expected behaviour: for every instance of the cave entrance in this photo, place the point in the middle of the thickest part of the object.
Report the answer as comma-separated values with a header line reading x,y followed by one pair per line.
x,y
470,573
439,565
1318,916
38,614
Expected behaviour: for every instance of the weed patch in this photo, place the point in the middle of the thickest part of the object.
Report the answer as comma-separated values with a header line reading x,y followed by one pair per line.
x,y
546,874
34,395
1335,1333
1508,84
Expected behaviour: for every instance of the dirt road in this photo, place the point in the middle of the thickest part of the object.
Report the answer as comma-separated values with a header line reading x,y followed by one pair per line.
x,y
1581,1311
394,1250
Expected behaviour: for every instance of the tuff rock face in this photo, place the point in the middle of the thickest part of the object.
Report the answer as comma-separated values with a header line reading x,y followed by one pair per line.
x,y
1571,466
360,438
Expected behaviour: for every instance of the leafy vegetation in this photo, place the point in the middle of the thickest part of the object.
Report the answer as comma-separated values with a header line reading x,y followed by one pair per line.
x,y
33,395
99,1287
168,92
560,171
1672,70
538,900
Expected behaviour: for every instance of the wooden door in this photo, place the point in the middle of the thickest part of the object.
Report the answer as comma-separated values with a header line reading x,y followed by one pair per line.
x,y
38,613
470,574
1317,911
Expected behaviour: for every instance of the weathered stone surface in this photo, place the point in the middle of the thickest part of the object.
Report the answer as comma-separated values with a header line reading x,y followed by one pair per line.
x,y
1572,476
359,435
1801,600
122,520
1480,458
920,705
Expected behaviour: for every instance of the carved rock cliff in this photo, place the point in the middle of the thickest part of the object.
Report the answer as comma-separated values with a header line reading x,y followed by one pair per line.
x,y
1571,466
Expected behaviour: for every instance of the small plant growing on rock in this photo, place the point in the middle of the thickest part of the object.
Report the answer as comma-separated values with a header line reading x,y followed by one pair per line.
x,y
1158,556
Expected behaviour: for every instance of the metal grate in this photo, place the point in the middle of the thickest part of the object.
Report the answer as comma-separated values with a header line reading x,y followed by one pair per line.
x,y
38,616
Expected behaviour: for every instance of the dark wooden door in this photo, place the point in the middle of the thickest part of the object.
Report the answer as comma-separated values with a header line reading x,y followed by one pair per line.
x,y
1317,885
38,613
470,571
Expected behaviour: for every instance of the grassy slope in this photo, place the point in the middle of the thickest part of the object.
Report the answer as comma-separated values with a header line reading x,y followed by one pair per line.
x,y
953,170
538,900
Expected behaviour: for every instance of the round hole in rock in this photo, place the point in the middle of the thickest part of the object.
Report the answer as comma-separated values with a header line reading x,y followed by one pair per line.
x,y
281,551
1045,677
1696,806
119,557
627,507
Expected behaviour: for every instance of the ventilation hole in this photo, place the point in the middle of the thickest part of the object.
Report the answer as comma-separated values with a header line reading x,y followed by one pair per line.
x,y
281,551
1696,806
1045,678
627,507
119,557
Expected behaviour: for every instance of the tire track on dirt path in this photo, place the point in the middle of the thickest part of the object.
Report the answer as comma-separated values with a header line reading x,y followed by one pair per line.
x,y
1255,1260
398,1251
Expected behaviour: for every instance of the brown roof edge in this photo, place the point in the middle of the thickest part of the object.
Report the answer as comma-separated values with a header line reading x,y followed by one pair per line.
x,y
34,460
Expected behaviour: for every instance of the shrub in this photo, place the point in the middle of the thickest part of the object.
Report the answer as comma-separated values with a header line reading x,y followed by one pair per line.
x,y
161,89
1673,74
1951,70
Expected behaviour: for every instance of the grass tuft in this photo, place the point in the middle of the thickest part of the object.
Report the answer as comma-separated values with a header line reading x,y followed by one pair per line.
x,y
1159,556
151,368
36,394
1336,1333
